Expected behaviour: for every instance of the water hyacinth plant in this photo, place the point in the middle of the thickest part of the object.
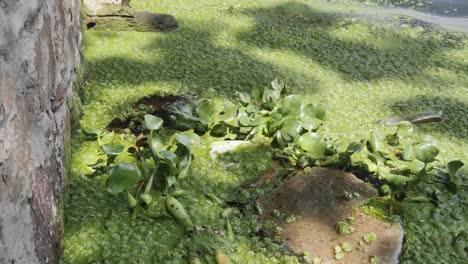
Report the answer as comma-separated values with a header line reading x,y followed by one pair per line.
x,y
285,122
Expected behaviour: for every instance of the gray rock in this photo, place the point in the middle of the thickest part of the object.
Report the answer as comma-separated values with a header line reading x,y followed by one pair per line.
x,y
317,200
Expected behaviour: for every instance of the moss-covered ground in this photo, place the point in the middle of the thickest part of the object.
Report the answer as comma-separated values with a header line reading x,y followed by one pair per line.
x,y
361,69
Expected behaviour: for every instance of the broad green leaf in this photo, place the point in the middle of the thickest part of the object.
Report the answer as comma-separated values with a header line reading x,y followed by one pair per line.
x,y
170,157
426,152
277,85
112,149
293,104
408,153
188,139
375,143
397,180
315,110
122,177
257,121
416,167
355,147
251,108
244,97
153,122
291,126
257,93
171,180
243,118
230,109
453,166
184,166
131,200
146,198
91,132
125,157
275,122
313,144
279,139
310,123
206,109
156,142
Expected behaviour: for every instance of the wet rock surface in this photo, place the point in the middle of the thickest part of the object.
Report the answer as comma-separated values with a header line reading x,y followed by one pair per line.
x,y
117,15
318,202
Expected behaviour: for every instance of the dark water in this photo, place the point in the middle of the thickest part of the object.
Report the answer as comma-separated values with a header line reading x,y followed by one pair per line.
x,y
451,15
450,8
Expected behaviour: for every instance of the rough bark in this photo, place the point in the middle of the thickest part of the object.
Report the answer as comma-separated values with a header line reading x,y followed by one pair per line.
x,y
39,51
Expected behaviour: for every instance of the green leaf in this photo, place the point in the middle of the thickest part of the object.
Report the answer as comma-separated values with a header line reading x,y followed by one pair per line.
x,y
315,110
313,144
244,97
153,122
206,109
453,166
243,118
397,180
122,177
276,84
91,132
292,104
112,149
188,139
156,142
171,180
230,110
355,147
375,143
416,166
170,157
291,126
408,153
310,123
131,200
125,157
426,152
257,92
184,166
146,198
279,139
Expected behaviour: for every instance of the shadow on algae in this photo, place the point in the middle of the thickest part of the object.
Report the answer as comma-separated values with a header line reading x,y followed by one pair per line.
x,y
191,60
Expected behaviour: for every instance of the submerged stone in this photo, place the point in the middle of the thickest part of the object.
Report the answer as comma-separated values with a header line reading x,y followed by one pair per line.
x,y
308,208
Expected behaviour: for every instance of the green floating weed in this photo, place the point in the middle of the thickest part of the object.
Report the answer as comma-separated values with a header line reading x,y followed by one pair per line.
x,y
369,237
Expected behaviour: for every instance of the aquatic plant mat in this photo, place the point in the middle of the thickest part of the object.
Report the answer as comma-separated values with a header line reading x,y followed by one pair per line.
x,y
357,69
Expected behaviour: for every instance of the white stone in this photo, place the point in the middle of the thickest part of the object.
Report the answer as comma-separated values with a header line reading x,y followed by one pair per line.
x,y
221,147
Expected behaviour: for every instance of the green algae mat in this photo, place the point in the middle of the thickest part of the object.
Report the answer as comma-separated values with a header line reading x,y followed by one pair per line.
x,y
362,71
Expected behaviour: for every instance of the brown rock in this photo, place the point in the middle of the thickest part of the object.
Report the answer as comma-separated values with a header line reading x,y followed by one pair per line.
x,y
317,201
118,16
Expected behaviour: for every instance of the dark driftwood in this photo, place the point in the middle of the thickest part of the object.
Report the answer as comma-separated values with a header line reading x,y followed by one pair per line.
x,y
139,21
121,17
